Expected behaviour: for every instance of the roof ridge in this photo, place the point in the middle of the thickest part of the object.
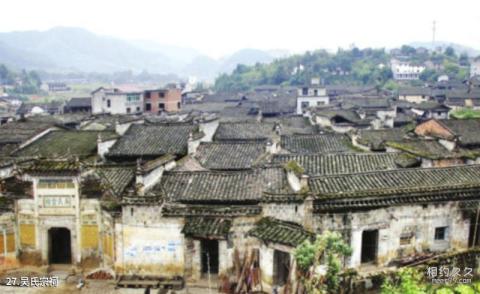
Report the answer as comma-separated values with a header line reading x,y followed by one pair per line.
x,y
401,170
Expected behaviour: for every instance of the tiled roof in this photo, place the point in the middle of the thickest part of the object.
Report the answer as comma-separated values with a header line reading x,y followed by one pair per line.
x,y
15,187
57,144
202,227
176,209
291,125
324,143
375,139
430,149
396,182
344,114
152,141
221,187
271,230
52,167
463,94
340,163
116,178
431,105
79,102
366,102
20,131
244,131
467,130
7,149
229,155
107,121
414,91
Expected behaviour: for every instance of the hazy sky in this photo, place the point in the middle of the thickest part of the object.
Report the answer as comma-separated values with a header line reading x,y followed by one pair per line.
x,y
221,27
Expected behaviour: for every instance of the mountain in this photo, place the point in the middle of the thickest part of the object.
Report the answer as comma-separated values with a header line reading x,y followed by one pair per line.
x,y
74,49
459,49
64,49
178,54
244,56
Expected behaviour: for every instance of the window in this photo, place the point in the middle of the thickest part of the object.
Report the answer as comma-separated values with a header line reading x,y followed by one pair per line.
x,y
109,103
440,233
138,108
161,94
161,106
406,238
147,95
315,92
133,97
178,105
128,110
320,103
305,104
304,91
148,107
131,211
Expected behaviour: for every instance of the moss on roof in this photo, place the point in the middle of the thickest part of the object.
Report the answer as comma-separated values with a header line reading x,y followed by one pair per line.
x,y
201,227
58,144
272,230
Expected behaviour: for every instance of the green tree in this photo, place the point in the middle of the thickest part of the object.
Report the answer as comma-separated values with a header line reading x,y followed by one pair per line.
x,y
411,281
449,51
408,50
429,75
330,247
463,60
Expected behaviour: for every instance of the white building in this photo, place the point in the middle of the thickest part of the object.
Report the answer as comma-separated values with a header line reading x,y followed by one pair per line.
x,y
405,71
475,68
310,96
114,101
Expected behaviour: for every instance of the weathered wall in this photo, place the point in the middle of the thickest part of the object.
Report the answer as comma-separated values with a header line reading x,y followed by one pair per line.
x,y
8,240
391,222
267,264
414,98
291,212
148,244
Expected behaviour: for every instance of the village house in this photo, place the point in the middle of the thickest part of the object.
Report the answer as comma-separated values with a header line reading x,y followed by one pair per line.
x,y
374,140
193,199
30,109
403,70
340,120
475,67
55,87
453,134
115,101
461,99
159,100
414,95
430,109
78,104
311,95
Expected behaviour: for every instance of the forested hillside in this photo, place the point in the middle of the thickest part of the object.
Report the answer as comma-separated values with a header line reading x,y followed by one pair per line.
x,y
355,66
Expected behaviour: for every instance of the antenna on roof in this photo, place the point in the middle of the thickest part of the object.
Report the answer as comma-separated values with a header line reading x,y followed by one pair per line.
x,y
434,27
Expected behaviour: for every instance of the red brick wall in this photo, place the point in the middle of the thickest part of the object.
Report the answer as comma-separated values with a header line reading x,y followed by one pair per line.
x,y
171,100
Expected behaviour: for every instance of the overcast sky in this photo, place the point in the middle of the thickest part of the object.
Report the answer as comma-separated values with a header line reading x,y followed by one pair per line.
x,y
222,27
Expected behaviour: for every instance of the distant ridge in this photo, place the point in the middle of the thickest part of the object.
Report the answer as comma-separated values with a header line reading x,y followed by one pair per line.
x,y
66,49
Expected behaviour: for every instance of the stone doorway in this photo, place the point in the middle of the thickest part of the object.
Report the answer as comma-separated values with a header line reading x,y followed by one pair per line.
x,y
369,246
281,267
59,246
209,256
